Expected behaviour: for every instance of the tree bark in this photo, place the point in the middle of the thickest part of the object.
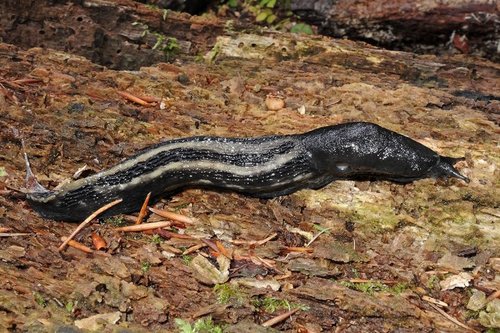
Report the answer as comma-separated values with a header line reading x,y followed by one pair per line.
x,y
467,26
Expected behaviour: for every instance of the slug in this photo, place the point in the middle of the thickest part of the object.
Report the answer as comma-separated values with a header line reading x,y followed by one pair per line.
x,y
264,167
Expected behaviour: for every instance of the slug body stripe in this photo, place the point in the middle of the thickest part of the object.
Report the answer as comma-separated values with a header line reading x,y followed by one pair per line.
x,y
263,167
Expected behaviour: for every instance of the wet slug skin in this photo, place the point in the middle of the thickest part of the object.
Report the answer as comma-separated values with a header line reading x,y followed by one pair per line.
x,y
262,167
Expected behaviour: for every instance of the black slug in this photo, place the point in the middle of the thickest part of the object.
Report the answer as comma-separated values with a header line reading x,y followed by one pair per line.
x,y
263,167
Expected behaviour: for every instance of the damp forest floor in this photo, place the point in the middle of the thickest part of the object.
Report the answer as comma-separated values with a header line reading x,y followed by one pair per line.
x,y
351,257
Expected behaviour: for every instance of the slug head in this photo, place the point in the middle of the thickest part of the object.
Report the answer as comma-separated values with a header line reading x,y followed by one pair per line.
x,y
368,151
445,169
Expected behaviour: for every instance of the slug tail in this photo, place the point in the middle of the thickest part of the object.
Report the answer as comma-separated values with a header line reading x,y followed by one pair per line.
x,y
445,168
31,183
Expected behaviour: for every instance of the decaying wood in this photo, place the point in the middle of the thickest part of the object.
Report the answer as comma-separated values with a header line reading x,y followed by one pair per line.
x,y
116,34
71,112
468,26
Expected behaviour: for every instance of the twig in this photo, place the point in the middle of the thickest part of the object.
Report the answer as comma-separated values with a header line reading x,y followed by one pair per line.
x,y
172,216
193,248
27,81
280,318
169,234
149,99
173,249
87,221
77,245
133,98
211,245
496,294
253,242
144,226
372,281
434,301
284,276
317,235
13,234
143,211
223,250
299,249
452,319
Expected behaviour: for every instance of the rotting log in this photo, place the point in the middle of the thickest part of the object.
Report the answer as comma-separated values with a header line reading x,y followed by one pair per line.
x,y
71,113
120,34
468,26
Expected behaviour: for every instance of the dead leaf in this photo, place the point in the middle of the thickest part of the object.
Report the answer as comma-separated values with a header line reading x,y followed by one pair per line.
x,y
456,281
99,321
205,272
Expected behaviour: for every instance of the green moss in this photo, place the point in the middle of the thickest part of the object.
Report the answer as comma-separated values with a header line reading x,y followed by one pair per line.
x,y
202,325
39,299
470,314
302,28
69,306
227,292
375,216
272,304
186,259
375,286
399,288
116,221
156,239
433,282
366,211
145,267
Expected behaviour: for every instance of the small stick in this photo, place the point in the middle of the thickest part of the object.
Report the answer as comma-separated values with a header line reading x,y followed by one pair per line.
x,y
169,234
434,301
133,98
144,208
145,226
223,250
150,99
496,294
172,216
317,235
193,248
253,242
87,221
78,245
280,318
171,249
372,281
284,276
27,81
450,318
211,245
13,234
299,249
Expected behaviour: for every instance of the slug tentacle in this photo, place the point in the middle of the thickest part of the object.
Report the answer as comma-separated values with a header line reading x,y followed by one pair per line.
x,y
445,168
262,167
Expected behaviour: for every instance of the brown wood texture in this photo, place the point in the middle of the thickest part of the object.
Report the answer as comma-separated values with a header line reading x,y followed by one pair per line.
x,y
468,26
354,256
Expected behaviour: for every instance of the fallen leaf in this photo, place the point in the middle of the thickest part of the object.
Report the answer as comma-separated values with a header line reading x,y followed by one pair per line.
x,y
98,322
456,281
206,272
254,283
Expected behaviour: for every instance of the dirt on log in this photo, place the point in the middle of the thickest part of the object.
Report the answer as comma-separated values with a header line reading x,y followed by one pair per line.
x,y
432,26
354,256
